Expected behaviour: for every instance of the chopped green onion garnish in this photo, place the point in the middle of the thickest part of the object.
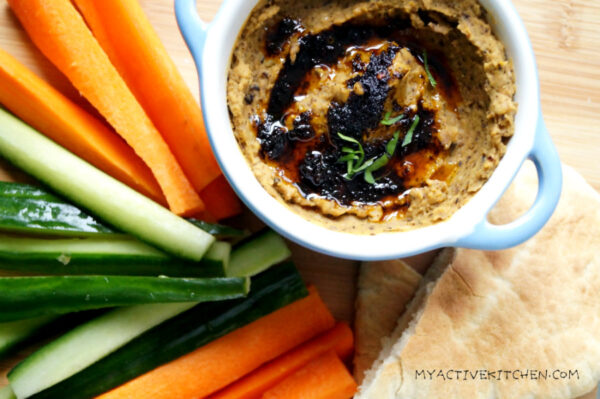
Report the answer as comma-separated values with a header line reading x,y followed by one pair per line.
x,y
375,166
348,175
390,148
349,157
379,163
429,75
387,121
409,135
369,177
354,158
363,166
347,138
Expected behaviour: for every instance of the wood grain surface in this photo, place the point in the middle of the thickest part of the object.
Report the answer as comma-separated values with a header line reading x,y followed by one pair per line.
x,y
566,39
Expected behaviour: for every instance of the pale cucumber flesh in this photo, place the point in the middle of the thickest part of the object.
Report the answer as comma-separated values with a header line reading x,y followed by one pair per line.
x,y
86,344
7,393
102,195
257,254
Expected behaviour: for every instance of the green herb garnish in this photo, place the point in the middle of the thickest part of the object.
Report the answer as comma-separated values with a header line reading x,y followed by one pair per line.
x,y
348,138
354,158
390,148
429,75
363,166
388,121
409,135
369,177
383,160
375,166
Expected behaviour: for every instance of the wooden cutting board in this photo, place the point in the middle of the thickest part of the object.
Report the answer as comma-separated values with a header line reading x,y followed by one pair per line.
x,y
565,36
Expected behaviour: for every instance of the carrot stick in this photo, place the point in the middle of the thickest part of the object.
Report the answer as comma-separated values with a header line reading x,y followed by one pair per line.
x,y
47,110
339,339
129,40
220,199
325,377
221,362
61,34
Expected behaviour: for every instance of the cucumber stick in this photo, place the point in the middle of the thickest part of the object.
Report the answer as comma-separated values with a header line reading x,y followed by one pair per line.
x,y
268,247
94,190
29,297
115,255
7,393
28,209
15,332
271,290
126,256
215,262
34,210
220,231
86,344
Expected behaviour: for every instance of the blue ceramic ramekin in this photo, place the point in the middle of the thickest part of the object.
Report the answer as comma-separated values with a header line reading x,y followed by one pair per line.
x,y
212,45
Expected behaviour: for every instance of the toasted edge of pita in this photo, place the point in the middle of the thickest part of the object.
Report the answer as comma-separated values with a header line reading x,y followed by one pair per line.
x,y
533,307
591,395
384,290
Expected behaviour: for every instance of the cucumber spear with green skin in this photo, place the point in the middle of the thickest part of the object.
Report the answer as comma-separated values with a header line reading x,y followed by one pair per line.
x,y
115,255
7,393
29,297
28,209
102,195
36,379
97,249
36,211
90,342
267,246
126,256
284,279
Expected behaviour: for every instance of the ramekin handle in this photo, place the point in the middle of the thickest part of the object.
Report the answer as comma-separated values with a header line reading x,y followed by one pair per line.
x,y
494,237
192,27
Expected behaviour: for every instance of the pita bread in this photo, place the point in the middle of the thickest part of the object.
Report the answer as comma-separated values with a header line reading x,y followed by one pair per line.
x,y
384,290
591,395
533,307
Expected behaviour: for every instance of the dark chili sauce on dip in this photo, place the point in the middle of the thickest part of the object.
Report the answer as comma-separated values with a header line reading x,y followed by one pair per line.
x,y
307,149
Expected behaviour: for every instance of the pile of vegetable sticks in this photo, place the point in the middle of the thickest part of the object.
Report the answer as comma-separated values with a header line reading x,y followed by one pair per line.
x,y
156,142
198,313
204,359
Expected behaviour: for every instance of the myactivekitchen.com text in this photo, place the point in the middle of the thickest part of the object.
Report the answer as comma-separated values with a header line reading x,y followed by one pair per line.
x,y
497,375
